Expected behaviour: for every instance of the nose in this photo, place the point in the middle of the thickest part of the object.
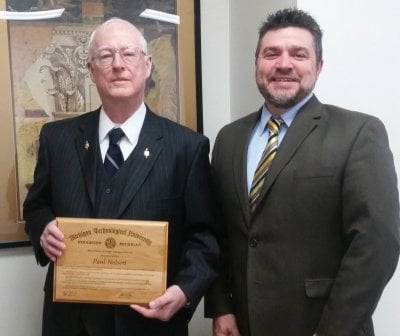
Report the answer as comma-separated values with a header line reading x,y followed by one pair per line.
x,y
284,61
118,61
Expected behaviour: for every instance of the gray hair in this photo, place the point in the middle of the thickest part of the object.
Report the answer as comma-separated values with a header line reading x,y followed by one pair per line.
x,y
103,26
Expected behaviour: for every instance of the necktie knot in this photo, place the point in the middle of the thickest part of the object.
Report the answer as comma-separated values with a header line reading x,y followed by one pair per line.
x,y
115,135
274,124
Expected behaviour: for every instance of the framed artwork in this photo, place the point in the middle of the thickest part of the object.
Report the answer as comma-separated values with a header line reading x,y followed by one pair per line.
x,y
44,78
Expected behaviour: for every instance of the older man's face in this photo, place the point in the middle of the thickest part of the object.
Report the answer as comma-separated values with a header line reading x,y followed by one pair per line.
x,y
118,73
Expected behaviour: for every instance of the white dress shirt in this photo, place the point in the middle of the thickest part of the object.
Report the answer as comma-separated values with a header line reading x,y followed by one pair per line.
x,y
131,128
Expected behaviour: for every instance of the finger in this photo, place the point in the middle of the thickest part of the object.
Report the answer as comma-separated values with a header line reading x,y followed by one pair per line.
x,y
53,230
52,235
162,315
55,243
158,303
173,297
51,253
146,312
52,247
138,308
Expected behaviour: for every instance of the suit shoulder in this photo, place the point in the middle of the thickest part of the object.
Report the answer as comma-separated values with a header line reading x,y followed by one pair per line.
x,y
73,122
347,114
172,128
239,125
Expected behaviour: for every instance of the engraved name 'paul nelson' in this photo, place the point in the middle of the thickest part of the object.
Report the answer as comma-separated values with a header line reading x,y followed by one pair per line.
x,y
108,261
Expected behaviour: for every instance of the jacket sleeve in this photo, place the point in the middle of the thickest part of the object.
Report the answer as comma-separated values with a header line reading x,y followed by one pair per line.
x,y
218,300
37,205
200,252
371,232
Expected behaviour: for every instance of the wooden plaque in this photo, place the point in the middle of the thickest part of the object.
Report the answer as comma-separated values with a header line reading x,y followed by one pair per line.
x,y
111,261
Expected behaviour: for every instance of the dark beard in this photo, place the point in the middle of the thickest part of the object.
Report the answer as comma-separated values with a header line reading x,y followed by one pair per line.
x,y
283,102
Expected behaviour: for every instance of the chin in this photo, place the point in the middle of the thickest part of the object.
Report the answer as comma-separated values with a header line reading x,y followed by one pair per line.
x,y
284,96
282,101
121,92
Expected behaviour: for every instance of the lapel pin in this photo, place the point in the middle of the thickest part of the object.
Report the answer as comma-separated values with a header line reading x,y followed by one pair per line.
x,y
87,145
146,153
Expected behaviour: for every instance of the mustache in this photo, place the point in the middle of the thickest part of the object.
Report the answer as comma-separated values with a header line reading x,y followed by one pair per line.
x,y
279,75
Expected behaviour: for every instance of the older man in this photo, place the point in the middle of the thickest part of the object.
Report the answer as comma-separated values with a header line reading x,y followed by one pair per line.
x,y
113,178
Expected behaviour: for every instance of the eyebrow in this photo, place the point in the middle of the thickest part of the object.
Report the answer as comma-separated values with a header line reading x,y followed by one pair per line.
x,y
111,48
291,49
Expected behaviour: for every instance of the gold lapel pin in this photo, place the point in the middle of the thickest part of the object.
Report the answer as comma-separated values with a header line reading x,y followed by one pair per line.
x,y
87,145
146,153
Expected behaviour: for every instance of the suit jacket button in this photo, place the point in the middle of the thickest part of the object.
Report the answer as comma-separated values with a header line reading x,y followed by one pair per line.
x,y
108,190
253,242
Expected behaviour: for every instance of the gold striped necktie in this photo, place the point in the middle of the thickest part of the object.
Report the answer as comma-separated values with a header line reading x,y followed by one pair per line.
x,y
265,161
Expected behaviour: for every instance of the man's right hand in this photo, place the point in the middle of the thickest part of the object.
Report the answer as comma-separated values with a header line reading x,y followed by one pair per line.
x,y
225,325
52,241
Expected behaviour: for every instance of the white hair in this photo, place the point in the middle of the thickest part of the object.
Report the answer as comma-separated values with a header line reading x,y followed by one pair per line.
x,y
103,26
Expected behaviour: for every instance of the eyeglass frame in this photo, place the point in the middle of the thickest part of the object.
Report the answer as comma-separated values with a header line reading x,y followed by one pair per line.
x,y
96,58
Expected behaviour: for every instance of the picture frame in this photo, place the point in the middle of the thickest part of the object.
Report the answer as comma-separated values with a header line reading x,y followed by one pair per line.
x,y
31,53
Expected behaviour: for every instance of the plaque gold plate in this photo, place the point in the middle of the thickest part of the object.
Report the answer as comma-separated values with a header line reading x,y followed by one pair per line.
x,y
111,261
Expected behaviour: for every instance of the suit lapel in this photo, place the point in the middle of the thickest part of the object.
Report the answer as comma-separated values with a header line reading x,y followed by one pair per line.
x,y
87,147
305,121
141,161
240,162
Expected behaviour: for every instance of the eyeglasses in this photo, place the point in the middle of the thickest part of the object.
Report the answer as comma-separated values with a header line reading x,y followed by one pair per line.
x,y
130,55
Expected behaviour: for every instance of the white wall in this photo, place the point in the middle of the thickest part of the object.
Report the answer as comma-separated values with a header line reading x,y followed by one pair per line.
x,y
215,65
245,20
361,47
21,293
216,106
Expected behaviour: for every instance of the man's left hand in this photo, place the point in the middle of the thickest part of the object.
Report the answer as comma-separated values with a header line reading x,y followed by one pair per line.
x,y
165,306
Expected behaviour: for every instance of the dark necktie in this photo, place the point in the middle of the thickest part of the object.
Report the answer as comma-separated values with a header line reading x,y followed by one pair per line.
x,y
114,158
265,161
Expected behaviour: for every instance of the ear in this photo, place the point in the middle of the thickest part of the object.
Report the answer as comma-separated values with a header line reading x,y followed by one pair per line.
x,y
319,66
148,64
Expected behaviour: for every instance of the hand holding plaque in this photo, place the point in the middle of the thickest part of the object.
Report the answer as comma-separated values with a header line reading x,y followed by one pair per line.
x,y
111,261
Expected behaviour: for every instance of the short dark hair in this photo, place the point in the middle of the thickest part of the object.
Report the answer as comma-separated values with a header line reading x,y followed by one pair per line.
x,y
292,17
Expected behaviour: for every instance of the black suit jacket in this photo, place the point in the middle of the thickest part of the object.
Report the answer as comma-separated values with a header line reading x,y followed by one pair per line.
x,y
172,184
324,240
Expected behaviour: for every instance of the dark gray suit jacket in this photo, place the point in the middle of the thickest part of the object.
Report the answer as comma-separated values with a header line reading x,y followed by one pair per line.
x,y
324,241
172,184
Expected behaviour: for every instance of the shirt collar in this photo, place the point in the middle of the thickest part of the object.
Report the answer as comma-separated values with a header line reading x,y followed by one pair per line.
x,y
287,116
130,126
